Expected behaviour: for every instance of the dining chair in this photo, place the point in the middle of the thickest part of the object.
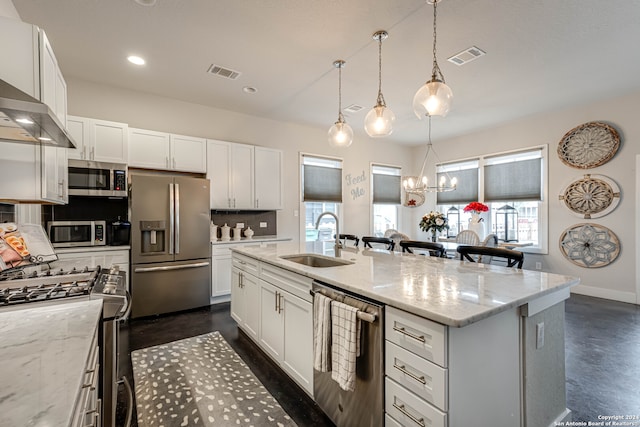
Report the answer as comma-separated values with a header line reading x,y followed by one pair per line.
x,y
397,237
513,258
389,231
387,242
468,237
345,237
491,241
435,249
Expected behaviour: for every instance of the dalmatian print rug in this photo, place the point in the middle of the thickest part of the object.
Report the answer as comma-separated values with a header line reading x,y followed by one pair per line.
x,y
200,381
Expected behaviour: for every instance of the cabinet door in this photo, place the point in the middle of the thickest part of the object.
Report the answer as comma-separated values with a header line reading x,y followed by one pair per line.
x,y
298,339
53,88
110,142
61,97
242,176
19,42
78,128
20,166
188,154
218,172
251,288
220,275
271,336
149,149
237,296
54,174
268,178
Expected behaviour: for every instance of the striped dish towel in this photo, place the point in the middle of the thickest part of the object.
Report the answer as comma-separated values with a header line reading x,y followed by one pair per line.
x,y
321,333
345,337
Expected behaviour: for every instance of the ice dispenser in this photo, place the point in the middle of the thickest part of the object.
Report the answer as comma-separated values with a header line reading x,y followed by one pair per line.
x,y
153,236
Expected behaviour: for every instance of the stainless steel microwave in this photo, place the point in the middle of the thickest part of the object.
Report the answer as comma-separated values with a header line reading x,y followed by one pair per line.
x,y
65,234
88,178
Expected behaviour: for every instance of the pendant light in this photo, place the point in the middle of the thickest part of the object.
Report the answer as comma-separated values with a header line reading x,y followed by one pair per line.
x,y
420,183
434,97
340,134
379,121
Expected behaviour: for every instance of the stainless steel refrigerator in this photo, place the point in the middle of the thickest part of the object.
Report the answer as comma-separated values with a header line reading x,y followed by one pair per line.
x,y
170,255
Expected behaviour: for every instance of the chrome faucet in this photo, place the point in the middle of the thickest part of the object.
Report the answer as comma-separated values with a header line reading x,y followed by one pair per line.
x,y
338,245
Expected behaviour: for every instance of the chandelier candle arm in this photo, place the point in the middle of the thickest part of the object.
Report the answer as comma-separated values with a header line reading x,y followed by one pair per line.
x,y
340,134
379,120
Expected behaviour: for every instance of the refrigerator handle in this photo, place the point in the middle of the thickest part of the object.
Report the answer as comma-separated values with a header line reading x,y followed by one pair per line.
x,y
177,220
171,217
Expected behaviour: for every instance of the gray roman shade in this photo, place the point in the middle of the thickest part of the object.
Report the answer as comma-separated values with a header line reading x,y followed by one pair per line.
x,y
466,189
386,189
520,180
321,184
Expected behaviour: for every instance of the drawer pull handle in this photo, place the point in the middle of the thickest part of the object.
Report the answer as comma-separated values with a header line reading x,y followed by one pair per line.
x,y
409,334
403,369
400,408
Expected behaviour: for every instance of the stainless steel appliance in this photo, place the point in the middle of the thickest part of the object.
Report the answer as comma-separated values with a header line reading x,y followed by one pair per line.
x,y
119,232
88,178
365,405
65,234
170,252
19,288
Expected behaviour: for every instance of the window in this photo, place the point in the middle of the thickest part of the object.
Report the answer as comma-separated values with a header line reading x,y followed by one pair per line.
x,y
386,197
512,185
321,192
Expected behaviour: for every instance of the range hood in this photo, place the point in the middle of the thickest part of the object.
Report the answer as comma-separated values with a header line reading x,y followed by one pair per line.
x,y
25,119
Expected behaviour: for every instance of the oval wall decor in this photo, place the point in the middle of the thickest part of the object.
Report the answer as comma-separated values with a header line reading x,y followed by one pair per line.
x,y
589,245
413,200
592,196
589,145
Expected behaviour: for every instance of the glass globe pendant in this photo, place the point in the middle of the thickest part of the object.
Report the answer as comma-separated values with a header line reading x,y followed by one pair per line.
x,y
340,134
379,120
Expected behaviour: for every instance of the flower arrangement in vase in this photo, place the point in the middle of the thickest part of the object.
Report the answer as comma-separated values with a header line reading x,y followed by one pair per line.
x,y
475,224
434,222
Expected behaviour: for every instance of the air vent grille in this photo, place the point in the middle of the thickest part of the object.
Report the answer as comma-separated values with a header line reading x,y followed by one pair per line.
x,y
353,108
227,73
466,56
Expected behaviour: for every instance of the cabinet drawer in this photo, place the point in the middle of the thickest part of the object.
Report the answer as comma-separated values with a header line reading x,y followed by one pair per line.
x,y
293,283
426,379
408,409
420,336
220,250
246,264
390,422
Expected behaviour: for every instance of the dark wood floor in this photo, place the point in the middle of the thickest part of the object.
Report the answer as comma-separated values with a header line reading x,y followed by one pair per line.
x,y
602,357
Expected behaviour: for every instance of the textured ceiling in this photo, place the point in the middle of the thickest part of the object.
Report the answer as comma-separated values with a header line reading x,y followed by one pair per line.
x,y
541,55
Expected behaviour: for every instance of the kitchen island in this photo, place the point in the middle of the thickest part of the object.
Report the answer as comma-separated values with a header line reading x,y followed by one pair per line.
x,y
498,333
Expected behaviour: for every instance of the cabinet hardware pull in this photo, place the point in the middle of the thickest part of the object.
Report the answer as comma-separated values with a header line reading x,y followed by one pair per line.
x,y
403,369
419,421
229,201
409,334
92,155
277,301
241,280
280,299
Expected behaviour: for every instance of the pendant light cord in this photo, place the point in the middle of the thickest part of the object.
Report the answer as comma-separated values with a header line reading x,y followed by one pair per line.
x,y
436,74
380,97
340,116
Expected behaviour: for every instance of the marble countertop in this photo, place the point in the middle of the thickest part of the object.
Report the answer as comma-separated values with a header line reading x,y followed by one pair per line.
x,y
452,292
44,352
256,239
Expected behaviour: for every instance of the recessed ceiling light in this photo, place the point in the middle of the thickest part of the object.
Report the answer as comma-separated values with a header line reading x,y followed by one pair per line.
x,y
44,138
249,89
24,121
136,60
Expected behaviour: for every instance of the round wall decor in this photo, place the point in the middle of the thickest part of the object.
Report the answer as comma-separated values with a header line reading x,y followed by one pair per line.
x,y
589,245
592,196
589,145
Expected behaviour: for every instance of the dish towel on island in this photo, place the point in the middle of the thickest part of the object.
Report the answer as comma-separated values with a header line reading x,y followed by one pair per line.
x,y
321,333
345,348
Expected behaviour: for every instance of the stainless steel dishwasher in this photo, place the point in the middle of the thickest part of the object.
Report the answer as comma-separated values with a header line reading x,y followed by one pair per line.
x,y
365,405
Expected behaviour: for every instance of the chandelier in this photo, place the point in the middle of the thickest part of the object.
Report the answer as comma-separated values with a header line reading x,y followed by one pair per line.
x,y
434,97
379,121
340,134
420,183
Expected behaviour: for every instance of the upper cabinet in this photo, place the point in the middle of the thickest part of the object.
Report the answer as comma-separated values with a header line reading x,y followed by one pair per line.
x,y
243,176
98,140
30,65
163,151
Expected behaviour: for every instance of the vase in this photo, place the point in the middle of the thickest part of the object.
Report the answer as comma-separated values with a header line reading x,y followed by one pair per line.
x,y
477,225
434,238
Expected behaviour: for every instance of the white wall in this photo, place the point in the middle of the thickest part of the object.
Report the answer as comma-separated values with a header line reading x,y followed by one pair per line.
x,y
618,279
8,9
147,111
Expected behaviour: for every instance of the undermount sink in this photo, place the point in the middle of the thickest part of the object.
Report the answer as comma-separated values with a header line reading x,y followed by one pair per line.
x,y
314,260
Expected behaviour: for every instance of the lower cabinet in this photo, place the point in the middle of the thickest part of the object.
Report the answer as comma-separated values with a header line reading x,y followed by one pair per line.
x,y
88,410
245,295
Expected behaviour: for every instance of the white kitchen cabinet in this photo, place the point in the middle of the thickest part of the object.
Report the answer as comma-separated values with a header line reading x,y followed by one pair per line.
x,y
245,295
53,88
36,173
268,178
221,270
243,176
98,140
163,151
88,407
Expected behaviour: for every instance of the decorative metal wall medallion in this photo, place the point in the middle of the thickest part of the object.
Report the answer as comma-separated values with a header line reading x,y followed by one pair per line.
x,y
589,245
592,196
589,145
413,200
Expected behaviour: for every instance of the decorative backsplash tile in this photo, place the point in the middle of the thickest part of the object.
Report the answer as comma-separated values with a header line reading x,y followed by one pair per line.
x,y
251,219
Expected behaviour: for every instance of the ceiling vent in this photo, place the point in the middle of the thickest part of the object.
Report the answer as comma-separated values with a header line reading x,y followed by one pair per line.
x,y
223,72
353,108
466,56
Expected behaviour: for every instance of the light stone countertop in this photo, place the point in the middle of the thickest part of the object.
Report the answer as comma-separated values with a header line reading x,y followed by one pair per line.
x,y
44,353
451,292
256,239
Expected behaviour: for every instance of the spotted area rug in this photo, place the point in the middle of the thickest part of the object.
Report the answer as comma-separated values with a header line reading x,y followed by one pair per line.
x,y
200,381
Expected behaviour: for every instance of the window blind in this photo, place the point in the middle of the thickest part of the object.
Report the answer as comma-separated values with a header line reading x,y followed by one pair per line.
x,y
518,180
386,189
466,189
321,184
